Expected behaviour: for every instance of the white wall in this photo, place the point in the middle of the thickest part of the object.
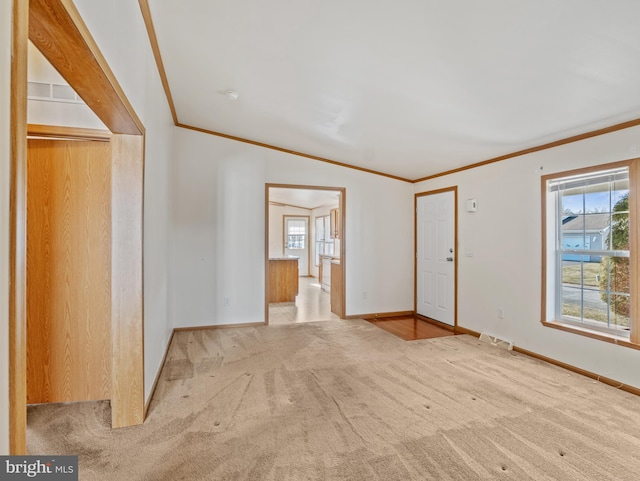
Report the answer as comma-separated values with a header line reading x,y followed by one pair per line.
x,y
505,238
218,222
5,164
118,28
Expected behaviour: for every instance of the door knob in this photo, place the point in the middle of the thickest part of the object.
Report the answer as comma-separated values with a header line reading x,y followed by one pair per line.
x,y
450,259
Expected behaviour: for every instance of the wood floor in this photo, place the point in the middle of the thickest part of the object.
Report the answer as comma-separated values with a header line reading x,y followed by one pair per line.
x,y
311,304
410,328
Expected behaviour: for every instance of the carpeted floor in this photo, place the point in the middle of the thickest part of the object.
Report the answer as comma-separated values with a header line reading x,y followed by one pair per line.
x,y
344,400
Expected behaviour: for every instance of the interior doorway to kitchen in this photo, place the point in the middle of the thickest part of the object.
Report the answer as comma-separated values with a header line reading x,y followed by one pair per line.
x,y
301,258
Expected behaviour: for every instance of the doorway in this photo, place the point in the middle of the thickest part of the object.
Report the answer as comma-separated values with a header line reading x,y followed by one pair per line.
x,y
294,257
436,260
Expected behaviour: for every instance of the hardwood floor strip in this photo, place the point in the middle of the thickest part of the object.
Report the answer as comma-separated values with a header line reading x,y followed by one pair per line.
x,y
441,325
410,328
380,315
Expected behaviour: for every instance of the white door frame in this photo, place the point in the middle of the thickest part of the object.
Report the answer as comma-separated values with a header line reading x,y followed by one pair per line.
x,y
453,189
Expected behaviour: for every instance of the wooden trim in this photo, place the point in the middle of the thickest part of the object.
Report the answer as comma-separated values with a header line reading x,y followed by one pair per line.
x,y
343,249
634,246
218,326
456,259
18,233
436,191
289,151
577,370
464,330
127,387
380,315
543,244
67,133
58,31
415,253
266,254
453,189
153,39
156,380
549,145
305,186
591,333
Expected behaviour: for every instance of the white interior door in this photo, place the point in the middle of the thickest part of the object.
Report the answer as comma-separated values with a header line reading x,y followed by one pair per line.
x,y
435,279
296,241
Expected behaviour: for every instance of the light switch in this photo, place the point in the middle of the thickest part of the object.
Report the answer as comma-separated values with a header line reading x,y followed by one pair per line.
x,y
468,252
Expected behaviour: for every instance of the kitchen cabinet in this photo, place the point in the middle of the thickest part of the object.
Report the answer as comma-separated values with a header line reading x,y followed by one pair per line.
x,y
283,279
325,273
337,290
334,223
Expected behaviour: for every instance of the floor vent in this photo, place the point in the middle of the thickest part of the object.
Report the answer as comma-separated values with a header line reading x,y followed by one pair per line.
x,y
496,341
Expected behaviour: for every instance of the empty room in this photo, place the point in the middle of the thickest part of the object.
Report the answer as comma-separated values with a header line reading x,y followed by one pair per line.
x,y
320,240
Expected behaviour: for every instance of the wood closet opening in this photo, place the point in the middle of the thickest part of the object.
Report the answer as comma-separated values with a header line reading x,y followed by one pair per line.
x,y
69,342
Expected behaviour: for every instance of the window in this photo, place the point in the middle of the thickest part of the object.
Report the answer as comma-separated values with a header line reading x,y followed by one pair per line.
x,y
587,254
324,243
296,233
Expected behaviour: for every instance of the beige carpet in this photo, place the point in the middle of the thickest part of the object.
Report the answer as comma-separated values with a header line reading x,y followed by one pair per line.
x,y
344,400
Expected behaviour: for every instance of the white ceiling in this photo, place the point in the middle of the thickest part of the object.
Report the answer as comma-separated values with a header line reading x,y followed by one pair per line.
x,y
306,198
406,87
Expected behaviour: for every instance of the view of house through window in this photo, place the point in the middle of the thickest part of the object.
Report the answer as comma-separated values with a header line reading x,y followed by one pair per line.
x,y
590,249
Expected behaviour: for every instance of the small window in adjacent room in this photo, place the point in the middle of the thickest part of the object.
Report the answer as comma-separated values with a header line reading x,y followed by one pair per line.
x,y
587,257
296,233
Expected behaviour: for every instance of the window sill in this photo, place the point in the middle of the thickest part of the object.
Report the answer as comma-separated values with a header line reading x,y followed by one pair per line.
x,y
593,334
